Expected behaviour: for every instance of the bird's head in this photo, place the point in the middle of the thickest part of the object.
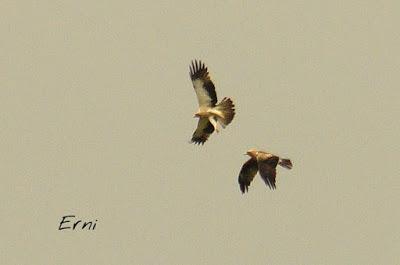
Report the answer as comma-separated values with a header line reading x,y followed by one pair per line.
x,y
252,153
200,114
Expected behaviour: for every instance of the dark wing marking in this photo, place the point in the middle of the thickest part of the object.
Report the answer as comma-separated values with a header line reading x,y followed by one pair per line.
x,y
202,84
267,168
247,173
203,131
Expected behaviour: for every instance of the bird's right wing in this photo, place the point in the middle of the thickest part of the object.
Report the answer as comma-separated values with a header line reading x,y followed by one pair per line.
x,y
247,173
202,84
203,131
267,168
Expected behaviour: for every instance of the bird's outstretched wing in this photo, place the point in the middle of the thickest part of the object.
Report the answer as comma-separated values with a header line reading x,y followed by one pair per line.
x,y
247,173
203,131
267,168
202,84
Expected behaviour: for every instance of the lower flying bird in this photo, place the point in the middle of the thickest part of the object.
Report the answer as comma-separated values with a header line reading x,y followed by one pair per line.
x,y
211,115
262,162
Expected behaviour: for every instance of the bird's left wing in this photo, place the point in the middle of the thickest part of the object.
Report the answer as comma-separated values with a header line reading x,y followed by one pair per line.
x,y
202,84
203,131
267,168
247,173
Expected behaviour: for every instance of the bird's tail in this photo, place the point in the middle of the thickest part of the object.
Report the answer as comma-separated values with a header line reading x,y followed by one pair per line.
x,y
227,108
286,163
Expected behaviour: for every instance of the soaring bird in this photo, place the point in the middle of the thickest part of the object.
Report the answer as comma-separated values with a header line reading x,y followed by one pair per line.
x,y
211,115
262,162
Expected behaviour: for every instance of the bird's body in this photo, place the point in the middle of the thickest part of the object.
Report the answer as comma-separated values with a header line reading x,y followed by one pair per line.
x,y
263,162
211,115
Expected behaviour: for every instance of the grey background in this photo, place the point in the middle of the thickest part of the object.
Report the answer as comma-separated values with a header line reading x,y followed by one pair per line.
x,y
96,114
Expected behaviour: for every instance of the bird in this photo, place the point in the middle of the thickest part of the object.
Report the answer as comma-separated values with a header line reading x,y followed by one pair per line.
x,y
263,162
211,115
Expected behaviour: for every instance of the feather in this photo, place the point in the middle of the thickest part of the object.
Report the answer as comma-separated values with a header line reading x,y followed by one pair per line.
x,y
202,84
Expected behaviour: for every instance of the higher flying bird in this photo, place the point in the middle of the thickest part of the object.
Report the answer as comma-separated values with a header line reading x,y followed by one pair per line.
x,y
211,115
262,162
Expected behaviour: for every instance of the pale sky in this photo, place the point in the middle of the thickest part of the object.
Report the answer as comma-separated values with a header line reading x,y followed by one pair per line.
x,y
97,112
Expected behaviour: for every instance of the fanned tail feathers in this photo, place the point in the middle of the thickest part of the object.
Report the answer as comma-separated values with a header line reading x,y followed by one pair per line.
x,y
227,108
286,163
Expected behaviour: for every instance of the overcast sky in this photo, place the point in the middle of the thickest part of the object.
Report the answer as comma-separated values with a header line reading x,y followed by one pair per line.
x,y
97,112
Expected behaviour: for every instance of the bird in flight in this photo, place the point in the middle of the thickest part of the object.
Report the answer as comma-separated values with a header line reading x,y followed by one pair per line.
x,y
211,115
262,162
